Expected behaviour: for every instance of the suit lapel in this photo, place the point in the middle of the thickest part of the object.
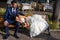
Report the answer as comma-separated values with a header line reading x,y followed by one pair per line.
x,y
10,10
11,13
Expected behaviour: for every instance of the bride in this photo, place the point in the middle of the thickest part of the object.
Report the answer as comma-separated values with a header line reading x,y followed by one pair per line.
x,y
36,24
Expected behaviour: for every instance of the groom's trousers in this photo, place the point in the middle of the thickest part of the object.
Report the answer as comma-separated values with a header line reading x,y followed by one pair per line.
x,y
16,27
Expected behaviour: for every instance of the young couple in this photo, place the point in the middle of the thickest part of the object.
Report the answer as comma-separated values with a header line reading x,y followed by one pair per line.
x,y
14,16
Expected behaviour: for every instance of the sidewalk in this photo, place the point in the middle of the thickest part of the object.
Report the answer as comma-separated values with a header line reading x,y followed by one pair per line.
x,y
24,35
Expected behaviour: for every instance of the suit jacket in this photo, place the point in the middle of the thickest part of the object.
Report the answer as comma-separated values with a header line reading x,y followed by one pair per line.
x,y
9,15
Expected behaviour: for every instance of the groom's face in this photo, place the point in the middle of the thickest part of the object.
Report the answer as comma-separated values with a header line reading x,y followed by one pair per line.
x,y
14,5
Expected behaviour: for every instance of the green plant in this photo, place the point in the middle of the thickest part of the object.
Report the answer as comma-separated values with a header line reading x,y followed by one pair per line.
x,y
59,25
50,16
53,25
2,10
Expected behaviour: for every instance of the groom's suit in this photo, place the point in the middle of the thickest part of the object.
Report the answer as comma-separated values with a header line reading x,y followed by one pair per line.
x,y
10,18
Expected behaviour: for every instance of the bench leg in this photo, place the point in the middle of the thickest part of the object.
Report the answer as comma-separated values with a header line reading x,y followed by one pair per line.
x,y
48,29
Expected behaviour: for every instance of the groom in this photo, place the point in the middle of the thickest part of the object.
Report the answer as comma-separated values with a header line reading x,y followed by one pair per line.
x,y
9,18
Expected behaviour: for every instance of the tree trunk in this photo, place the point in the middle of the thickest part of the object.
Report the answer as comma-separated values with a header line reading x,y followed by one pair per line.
x,y
56,13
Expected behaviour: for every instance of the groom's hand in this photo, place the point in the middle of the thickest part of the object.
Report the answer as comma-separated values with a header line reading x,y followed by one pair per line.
x,y
17,19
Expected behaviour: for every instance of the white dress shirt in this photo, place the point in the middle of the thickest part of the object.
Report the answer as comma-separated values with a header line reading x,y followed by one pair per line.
x,y
13,9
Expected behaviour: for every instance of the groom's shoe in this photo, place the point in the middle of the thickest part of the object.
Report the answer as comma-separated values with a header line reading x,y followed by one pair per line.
x,y
16,36
5,36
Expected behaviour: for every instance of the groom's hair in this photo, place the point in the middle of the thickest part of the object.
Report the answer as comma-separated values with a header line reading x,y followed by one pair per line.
x,y
13,2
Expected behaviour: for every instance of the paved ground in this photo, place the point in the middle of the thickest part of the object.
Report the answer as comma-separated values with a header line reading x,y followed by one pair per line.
x,y
24,35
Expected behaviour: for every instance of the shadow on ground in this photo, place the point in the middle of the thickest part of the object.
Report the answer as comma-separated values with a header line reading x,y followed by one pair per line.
x,y
46,37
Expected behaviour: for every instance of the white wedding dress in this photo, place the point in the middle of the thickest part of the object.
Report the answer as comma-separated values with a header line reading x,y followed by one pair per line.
x,y
37,24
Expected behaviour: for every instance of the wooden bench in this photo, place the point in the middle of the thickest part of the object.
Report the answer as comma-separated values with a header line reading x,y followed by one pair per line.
x,y
11,26
26,14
